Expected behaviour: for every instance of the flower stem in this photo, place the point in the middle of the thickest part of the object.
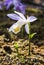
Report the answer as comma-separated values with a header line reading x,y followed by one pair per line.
x,y
29,37
22,34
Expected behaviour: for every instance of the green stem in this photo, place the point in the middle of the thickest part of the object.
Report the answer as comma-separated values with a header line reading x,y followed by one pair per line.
x,y
29,45
29,38
22,32
18,54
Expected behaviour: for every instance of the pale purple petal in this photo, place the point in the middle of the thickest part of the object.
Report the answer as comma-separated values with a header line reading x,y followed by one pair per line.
x,y
1,4
8,3
16,2
31,19
13,16
27,28
20,7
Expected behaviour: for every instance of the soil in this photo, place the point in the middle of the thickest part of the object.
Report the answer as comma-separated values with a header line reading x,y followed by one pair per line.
x,y
9,55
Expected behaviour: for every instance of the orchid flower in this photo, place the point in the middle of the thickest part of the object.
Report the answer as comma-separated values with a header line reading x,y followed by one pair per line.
x,y
20,7
21,20
17,5
7,3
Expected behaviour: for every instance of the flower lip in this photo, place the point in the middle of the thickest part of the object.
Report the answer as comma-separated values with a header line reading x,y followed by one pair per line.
x,y
14,28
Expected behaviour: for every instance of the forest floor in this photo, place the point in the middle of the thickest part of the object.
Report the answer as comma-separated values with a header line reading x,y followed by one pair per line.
x,y
9,55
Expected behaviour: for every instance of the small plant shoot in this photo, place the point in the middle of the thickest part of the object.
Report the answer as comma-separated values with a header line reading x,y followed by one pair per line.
x,y
21,32
21,20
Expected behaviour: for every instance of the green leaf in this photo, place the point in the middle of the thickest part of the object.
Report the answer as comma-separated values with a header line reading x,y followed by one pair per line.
x,y
16,45
22,58
32,35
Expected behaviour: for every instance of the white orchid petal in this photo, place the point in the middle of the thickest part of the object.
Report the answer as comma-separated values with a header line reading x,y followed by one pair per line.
x,y
31,18
27,28
20,14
